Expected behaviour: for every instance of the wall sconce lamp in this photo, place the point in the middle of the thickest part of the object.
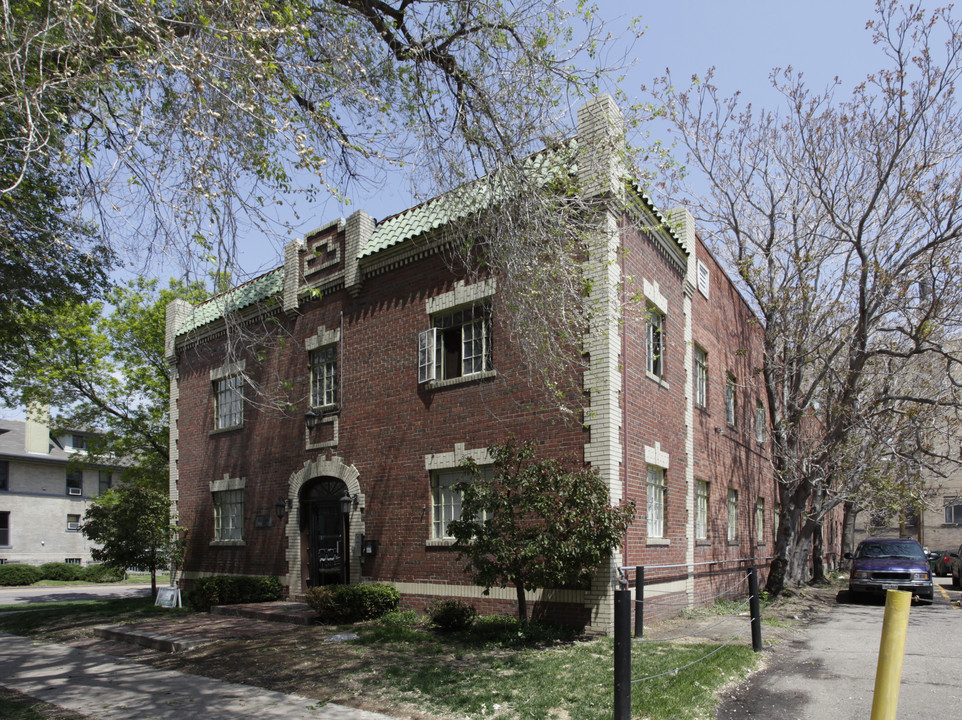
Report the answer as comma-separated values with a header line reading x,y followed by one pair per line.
x,y
282,507
312,419
348,502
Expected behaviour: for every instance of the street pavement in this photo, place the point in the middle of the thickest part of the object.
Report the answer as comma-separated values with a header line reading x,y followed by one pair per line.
x,y
828,671
69,593
107,688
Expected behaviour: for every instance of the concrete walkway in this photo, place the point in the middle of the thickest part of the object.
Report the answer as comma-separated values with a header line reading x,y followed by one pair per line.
x,y
104,687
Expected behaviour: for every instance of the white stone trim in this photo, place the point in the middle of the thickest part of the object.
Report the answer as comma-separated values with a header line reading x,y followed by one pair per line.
x,y
652,293
461,295
656,456
478,592
327,419
228,369
448,460
227,483
322,338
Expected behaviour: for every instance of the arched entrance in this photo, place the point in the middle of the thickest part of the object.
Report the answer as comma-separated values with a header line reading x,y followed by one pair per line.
x,y
305,487
324,529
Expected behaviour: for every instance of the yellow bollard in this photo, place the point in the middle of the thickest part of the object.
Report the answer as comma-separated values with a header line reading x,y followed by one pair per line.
x,y
888,675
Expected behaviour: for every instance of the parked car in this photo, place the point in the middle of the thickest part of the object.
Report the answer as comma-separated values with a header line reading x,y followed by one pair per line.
x,y
942,562
956,571
881,564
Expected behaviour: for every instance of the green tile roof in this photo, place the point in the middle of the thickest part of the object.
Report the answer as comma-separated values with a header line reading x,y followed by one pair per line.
x,y
459,203
238,298
408,224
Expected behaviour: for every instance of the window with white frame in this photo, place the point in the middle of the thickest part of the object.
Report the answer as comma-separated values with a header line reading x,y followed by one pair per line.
x,y
446,500
761,424
730,399
760,520
701,510
73,523
228,515
228,402
655,340
75,482
732,515
324,376
953,510
704,279
701,377
656,501
5,529
72,561
458,344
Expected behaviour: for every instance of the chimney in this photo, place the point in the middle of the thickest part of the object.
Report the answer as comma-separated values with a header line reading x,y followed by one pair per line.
x,y
37,431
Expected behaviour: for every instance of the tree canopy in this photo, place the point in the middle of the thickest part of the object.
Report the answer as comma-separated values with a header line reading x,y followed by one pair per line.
x,y
131,524
103,365
840,215
535,522
178,125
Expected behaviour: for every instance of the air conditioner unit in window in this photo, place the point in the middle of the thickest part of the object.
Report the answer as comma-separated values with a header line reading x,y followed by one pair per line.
x,y
74,491
73,526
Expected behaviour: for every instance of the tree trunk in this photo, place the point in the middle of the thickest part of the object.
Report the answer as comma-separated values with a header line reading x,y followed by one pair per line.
x,y
522,602
818,556
848,534
792,546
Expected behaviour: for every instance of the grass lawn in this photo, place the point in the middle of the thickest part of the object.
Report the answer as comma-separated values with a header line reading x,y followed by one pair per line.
x,y
401,666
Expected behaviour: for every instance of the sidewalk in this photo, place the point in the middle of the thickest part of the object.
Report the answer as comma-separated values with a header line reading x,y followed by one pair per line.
x,y
104,687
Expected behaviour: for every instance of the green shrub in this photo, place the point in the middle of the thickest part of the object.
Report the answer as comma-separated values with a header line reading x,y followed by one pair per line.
x,y
16,574
452,614
353,603
103,574
61,571
233,590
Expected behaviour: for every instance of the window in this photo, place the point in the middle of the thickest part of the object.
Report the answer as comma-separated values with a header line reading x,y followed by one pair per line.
x,y
4,529
4,474
732,515
730,399
953,511
78,442
655,341
776,517
105,482
459,345
324,376
446,501
656,501
228,515
228,402
701,510
75,482
761,433
73,523
701,377
72,561
704,279
760,520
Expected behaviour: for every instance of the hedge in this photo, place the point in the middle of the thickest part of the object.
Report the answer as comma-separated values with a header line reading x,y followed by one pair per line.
x,y
233,590
353,603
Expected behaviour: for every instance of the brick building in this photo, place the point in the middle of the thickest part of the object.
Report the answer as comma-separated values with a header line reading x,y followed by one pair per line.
x,y
404,365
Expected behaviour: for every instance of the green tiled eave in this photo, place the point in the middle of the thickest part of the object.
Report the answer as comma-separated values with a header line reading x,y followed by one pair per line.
x,y
254,291
461,202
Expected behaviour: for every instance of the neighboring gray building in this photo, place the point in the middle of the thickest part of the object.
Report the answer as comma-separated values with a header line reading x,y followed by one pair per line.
x,y
43,496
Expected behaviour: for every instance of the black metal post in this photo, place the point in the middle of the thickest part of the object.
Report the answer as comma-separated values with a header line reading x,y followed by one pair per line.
x,y
639,601
756,609
622,655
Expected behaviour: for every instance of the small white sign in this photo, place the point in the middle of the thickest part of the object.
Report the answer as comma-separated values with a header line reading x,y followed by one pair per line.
x,y
168,597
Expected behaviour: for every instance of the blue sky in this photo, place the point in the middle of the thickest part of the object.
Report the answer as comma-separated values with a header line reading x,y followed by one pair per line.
x,y
742,40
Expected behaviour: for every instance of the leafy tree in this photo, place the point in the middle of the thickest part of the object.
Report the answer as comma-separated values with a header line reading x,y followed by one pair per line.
x,y
102,364
535,522
840,216
183,123
131,524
